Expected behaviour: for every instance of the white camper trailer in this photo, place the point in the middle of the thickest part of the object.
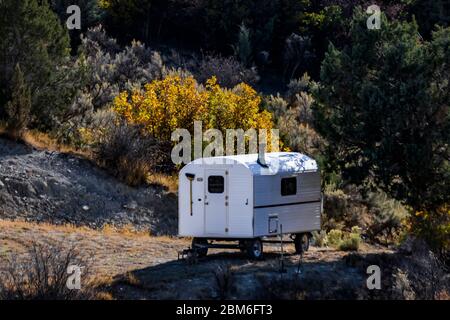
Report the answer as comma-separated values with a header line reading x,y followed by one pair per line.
x,y
248,199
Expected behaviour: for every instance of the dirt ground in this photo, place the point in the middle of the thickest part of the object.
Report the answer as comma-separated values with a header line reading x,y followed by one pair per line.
x,y
46,186
139,266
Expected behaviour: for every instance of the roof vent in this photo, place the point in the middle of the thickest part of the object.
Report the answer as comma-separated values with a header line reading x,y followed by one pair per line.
x,y
262,155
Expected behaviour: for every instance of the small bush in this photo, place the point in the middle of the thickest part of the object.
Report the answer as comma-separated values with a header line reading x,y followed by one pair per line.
x,y
297,54
350,243
130,155
296,86
356,230
402,289
43,275
276,105
335,237
294,118
434,227
228,71
224,279
387,216
345,241
320,238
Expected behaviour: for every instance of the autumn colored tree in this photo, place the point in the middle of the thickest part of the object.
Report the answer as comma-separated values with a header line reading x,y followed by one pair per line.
x,y
176,102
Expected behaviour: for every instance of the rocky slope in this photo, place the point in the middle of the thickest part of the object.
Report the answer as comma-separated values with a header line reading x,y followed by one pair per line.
x,y
45,186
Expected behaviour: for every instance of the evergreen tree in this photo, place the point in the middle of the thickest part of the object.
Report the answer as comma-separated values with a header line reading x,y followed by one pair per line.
x,y
430,13
18,108
384,106
243,47
33,37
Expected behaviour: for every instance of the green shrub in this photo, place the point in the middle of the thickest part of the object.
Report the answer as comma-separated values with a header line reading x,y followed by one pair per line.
x,y
387,216
345,241
335,237
350,243
320,238
356,230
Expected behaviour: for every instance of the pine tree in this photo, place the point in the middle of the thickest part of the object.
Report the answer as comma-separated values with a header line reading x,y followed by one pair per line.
x,y
384,105
18,108
243,47
33,36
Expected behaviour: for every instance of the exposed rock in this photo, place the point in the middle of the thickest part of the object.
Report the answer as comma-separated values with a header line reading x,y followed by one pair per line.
x,y
52,187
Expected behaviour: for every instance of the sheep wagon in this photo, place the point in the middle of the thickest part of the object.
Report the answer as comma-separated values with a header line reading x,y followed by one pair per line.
x,y
248,199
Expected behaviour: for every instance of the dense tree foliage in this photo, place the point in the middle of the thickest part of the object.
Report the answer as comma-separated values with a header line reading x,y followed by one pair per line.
x,y
177,102
217,26
91,15
430,13
18,108
384,105
33,37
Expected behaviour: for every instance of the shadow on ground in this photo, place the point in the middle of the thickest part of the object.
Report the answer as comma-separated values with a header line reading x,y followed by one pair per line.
x,y
230,275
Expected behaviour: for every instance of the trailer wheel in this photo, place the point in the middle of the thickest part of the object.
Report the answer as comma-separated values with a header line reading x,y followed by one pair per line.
x,y
301,242
200,246
243,246
255,249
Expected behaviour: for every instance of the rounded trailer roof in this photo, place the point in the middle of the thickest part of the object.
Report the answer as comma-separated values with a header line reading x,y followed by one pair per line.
x,y
277,162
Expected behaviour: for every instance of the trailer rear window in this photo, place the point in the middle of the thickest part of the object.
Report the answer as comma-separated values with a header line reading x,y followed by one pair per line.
x,y
288,186
216,184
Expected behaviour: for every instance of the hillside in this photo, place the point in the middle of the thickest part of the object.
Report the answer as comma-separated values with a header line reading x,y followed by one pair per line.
x,y
44,186
57,200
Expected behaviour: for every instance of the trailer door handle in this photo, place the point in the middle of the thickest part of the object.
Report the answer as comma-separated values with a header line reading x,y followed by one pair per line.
x,y
206,203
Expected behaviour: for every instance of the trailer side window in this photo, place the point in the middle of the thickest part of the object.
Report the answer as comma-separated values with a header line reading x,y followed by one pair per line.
x,y
288,186
216,184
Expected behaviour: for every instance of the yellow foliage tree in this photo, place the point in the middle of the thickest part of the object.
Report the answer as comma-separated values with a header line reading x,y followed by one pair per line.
x,y
175,102
434,226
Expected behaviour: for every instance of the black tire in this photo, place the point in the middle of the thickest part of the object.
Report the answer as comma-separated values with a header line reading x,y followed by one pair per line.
x,y
254,249
301,242
198,245
243,246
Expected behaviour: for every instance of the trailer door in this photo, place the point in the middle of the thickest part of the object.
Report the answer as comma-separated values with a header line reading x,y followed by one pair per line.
x,y
216,202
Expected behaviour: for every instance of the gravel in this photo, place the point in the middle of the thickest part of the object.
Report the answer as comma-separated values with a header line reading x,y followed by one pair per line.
x,y
45,186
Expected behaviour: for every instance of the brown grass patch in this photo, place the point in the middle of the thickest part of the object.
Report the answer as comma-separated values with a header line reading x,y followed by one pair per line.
x,y
43,141
170,182
127,230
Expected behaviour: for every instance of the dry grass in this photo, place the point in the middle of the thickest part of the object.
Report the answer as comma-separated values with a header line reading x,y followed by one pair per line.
x,y
113,252
43,141
42,274
170,182
128,230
